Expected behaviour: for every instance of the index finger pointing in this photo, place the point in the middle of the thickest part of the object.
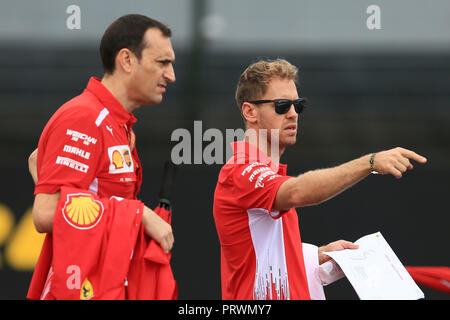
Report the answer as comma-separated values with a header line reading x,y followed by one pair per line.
x,y
412,155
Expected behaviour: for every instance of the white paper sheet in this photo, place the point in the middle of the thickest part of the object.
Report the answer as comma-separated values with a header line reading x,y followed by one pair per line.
x,y
375,272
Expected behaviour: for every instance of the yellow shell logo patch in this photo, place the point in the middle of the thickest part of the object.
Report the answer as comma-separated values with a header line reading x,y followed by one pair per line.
x,y
81,211
87,291
117,159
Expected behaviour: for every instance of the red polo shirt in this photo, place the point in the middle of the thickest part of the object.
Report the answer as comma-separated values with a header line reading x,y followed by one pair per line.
x,y
89,144
261,250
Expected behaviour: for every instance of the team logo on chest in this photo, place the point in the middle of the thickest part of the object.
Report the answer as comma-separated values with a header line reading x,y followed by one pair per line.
x,y
81,211
120,159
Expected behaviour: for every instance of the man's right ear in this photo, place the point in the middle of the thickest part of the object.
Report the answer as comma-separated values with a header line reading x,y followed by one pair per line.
x,y
249,112
124,60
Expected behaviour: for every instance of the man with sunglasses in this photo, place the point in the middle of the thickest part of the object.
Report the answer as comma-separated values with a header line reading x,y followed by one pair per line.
x,y
262,256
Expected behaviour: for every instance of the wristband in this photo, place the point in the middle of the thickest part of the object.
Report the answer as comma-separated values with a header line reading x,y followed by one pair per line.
x,y
371,160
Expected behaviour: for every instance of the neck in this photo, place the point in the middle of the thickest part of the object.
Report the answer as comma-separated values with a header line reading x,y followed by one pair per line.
x,y
264,145
119,91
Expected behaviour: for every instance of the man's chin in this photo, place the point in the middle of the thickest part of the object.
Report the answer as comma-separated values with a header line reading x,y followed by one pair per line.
x,y
289,141
153,100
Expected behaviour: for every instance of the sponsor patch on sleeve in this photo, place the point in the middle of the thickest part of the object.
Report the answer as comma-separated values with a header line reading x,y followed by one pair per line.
x,y
79,136
68,162
77,151
259,173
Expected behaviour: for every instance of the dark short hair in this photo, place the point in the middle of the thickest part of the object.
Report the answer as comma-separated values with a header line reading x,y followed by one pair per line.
x,y
127,32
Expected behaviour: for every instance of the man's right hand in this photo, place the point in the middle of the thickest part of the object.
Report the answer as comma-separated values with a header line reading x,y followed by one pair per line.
x,y
158,229
395,161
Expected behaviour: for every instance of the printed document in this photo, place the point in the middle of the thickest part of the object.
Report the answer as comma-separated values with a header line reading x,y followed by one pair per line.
x,y
375,272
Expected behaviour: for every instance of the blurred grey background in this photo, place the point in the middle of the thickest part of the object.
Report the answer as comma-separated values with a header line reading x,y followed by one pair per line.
x,y
369,90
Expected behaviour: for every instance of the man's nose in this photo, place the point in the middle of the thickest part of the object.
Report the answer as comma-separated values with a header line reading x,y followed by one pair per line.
x,y
169,74
291,112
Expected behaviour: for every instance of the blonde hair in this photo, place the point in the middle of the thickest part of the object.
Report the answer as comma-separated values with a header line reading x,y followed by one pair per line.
x,y
254,81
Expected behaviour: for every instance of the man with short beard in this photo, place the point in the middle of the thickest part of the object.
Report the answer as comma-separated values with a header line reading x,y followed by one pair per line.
x,y
254,201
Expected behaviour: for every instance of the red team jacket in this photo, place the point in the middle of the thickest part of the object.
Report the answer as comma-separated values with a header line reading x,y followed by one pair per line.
x,y
87,152
89,252
101,259
150,275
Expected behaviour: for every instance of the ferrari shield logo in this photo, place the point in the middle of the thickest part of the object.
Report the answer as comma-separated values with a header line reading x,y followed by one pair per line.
x,y
86,291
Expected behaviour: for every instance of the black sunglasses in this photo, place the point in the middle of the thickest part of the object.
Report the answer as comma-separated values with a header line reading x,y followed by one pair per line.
x,y
283,105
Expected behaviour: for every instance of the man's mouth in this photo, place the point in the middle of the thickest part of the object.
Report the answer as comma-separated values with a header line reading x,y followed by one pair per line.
x,y
291,129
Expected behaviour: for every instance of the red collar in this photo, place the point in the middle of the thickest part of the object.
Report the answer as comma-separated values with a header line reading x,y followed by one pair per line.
x,y
247,151
110,102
